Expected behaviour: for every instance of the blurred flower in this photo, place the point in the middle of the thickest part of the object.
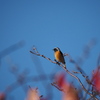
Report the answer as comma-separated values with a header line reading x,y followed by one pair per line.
x,y
32,94
60,80
2,96
96,79
70,93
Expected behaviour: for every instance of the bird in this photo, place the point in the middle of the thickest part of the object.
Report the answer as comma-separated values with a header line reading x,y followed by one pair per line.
x,y
59,56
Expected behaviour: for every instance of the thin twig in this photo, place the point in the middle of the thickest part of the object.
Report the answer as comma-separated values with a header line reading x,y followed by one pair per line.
x,y
57,87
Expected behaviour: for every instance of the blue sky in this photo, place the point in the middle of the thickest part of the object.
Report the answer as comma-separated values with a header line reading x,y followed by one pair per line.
x,y
66,24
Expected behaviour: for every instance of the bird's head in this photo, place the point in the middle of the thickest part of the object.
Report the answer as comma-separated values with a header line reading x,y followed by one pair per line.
x,y
56,49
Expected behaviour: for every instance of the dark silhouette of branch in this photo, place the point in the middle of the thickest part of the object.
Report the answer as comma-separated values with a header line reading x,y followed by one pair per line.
x,y
53,84
11,49
79,69
21,80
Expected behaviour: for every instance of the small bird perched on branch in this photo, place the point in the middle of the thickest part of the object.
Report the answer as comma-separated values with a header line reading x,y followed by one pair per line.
x,y
59,56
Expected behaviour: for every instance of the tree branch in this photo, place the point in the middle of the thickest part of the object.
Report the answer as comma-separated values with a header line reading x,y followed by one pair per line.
x,y
38,54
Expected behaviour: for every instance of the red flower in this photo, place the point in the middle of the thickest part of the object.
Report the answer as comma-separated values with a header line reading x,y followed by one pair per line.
x,y
96,79
60,79
70,93
2,96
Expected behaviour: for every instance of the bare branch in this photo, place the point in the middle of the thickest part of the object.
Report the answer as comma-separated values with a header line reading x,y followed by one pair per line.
x,y
67,72
57,87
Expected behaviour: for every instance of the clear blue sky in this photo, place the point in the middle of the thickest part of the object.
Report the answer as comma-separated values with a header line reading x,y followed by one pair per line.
x,y
67,24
